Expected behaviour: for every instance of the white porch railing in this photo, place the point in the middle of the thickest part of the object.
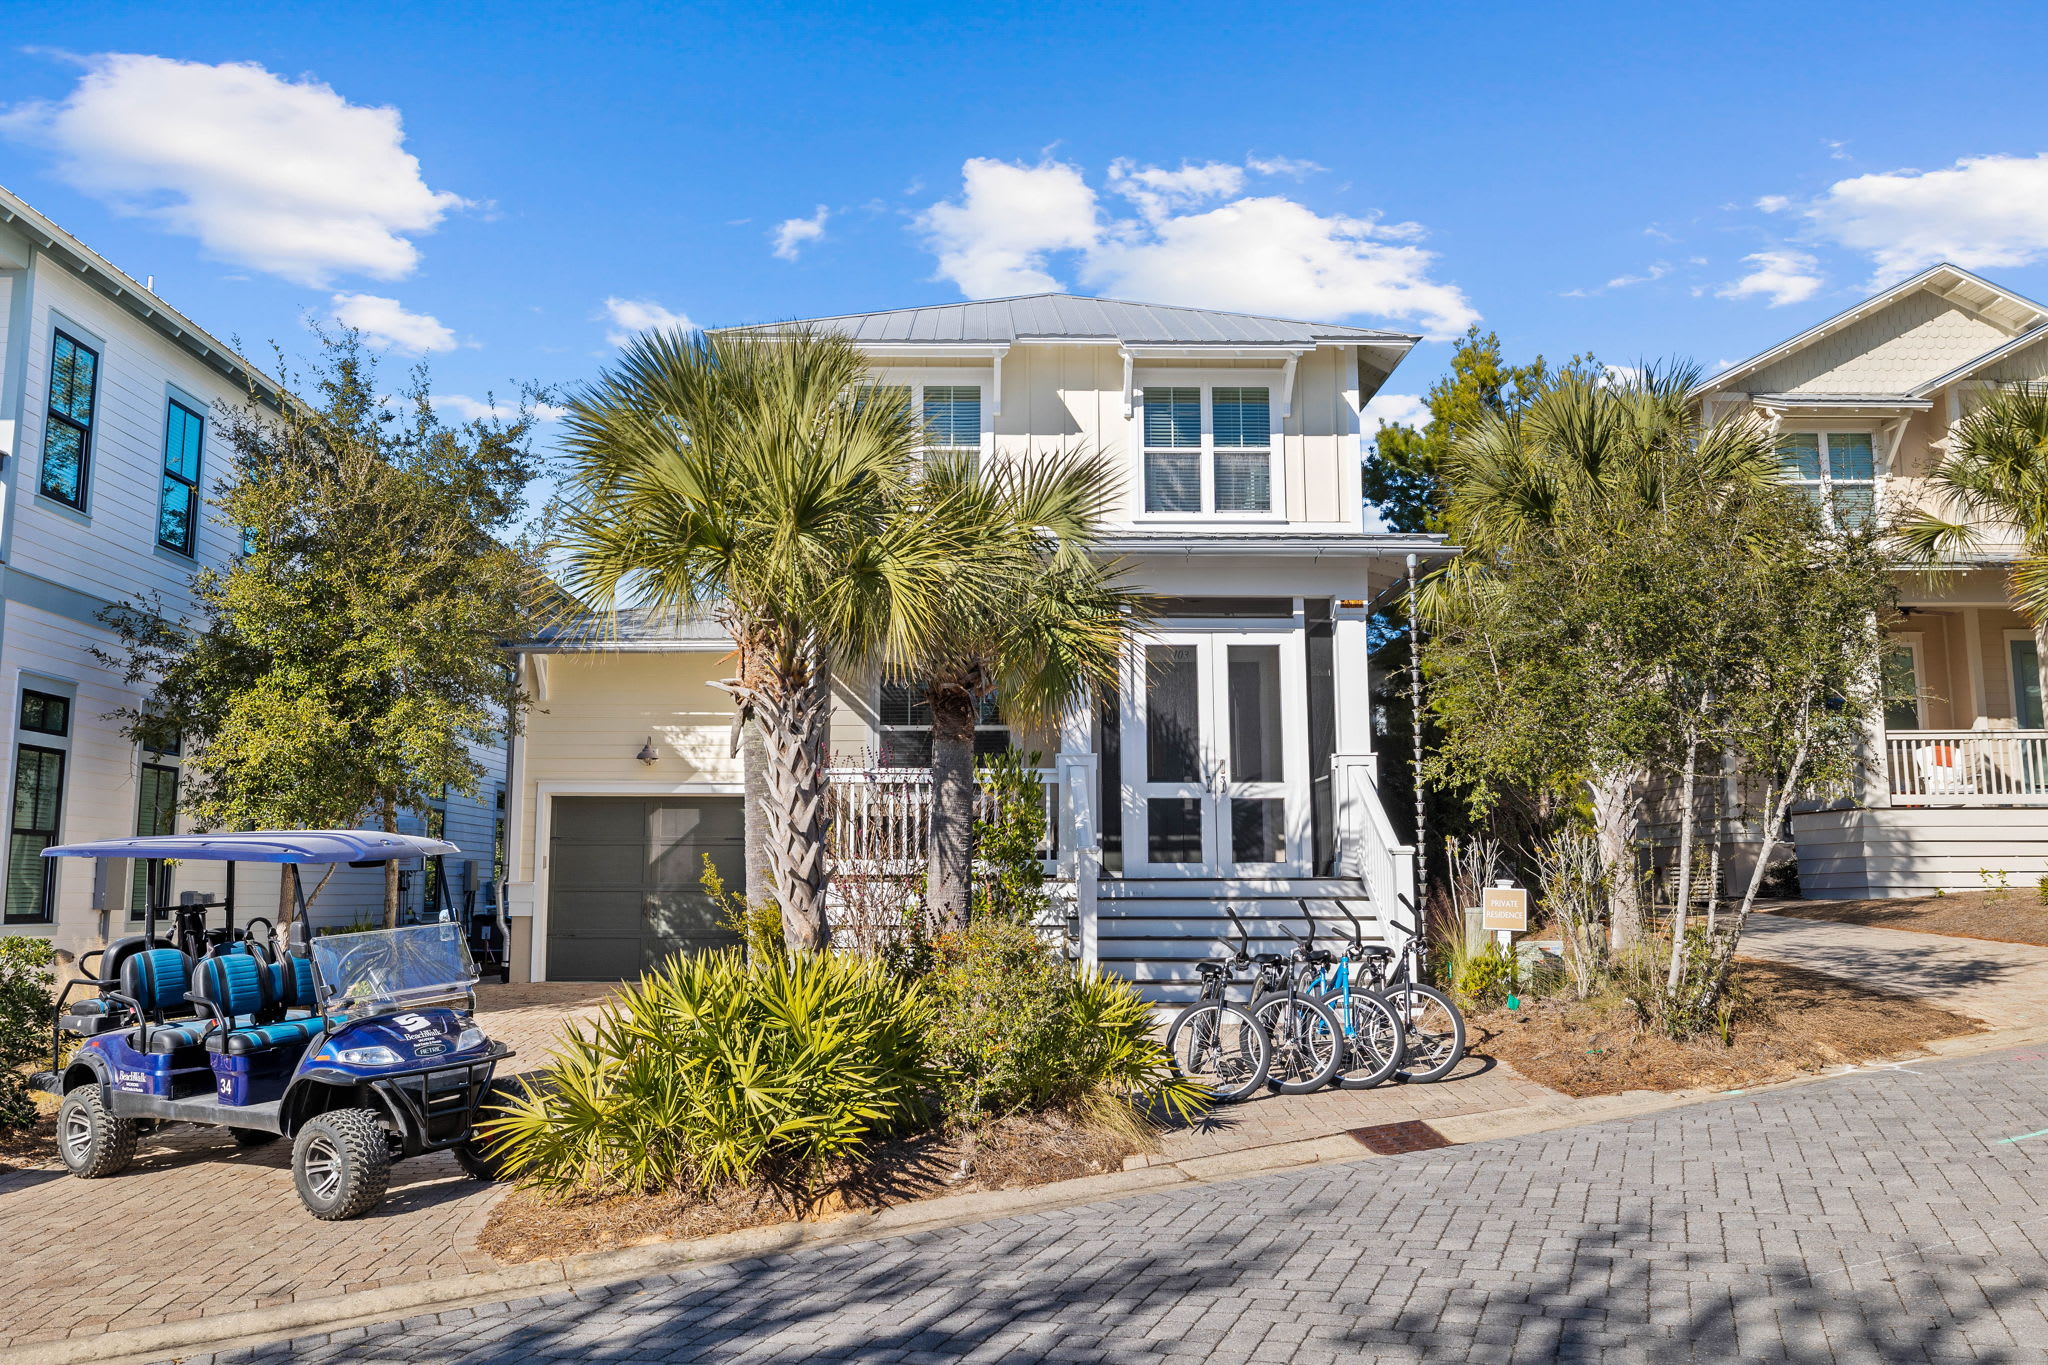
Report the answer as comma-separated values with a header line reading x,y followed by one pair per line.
x,y
1967,767
881,818
1368,848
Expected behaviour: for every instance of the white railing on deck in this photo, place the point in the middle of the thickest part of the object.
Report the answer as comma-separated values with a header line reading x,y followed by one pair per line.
x,y
1967,767
881,818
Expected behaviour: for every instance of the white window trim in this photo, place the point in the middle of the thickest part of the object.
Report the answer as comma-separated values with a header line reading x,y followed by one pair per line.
x,y
1880,461
922,378
1270,380
2012,683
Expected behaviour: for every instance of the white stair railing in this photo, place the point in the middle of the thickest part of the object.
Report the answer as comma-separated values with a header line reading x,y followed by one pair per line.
x,y
1367,846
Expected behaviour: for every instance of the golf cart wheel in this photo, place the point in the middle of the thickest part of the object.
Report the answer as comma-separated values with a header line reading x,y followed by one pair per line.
x,y
479,1159
341,1163
252,1137
92,1141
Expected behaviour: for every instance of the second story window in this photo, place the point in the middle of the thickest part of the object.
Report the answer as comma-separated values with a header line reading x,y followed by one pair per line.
x,y
951,413
1208,449
67,427
1837,469
177,518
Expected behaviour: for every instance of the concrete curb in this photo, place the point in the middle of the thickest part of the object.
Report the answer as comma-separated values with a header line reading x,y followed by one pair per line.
x,y
251,1327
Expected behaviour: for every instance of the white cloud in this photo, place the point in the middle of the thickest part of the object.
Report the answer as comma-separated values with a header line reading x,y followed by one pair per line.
x,y
387,326
1395,409
467,409
1281,165
1657,271
281,176
1621,376
1982,213
995,240
1261,253
630,317
1782,277
1774,203
791,234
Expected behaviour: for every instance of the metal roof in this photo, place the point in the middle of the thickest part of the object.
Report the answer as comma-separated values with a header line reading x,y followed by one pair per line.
x,y
270,846
1071,317
627,629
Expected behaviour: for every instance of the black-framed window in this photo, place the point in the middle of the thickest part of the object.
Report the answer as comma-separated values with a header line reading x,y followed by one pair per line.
x,y
177,518
68,424
156,812
906,726
46,713
38,806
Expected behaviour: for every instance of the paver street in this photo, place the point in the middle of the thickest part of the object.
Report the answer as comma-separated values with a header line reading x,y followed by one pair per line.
x,y
1875,1217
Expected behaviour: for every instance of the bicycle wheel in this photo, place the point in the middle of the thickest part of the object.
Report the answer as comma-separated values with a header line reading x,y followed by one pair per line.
x,y
1374,1041
1435,1032
1308,1044
1220,1047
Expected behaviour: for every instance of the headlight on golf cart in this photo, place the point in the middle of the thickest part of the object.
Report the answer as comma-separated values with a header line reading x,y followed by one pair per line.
x,y
366,1056
471,1037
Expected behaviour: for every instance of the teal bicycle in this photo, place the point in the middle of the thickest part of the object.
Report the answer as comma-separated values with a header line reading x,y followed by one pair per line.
x,y
1375,1043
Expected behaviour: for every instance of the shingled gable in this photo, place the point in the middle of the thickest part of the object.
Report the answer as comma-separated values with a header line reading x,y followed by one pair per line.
x,y
1902,343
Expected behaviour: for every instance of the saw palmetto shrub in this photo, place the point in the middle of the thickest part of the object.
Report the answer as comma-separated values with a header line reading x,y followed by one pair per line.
x,y
24,1023
715,1070
1015,1028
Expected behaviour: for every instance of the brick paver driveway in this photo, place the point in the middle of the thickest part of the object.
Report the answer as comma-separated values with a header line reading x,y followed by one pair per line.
x,y
1873,1217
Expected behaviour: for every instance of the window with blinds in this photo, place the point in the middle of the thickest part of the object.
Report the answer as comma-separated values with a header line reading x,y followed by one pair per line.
x,y
1223,464
1837,469
905,722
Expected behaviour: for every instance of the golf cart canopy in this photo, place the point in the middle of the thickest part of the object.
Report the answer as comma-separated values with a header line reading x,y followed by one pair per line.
x,y
273,846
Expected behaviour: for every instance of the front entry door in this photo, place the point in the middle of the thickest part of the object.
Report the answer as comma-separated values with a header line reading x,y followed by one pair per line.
x,y
1215,756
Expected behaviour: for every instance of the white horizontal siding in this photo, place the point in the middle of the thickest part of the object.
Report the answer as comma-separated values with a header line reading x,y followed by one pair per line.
x,y
1916,851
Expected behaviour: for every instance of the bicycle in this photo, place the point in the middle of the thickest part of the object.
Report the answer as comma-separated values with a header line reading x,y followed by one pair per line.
x,y
1434,1037
1375,1041
1215,1042
1307,1041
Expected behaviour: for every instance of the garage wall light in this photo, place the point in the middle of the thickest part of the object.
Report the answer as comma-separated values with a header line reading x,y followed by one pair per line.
x,y
647,754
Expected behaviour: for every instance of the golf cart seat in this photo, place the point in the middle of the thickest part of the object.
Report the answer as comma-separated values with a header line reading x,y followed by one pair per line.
x,y
239,991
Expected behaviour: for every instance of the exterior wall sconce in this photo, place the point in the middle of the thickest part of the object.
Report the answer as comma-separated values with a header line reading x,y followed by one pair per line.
x,y
647,754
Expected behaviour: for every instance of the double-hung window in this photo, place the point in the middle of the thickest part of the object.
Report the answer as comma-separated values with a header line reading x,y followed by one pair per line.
x,y
906,726
156,812
38,805
68,422
1837,469
177,518
951,414
1208,448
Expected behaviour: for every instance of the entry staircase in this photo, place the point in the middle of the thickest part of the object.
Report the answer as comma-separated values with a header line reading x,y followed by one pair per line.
x,y
1155,931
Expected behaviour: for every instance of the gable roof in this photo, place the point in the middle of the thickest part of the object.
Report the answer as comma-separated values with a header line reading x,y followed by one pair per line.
x,y
1073,317
2004,309
1982,362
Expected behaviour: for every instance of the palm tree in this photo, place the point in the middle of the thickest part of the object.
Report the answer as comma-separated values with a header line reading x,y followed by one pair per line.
x,y
1995,475
747,478
1035,619
1589,453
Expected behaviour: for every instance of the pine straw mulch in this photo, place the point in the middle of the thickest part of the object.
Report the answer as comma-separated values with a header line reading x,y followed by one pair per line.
x,y
1009,1154
1788,1021
2008,916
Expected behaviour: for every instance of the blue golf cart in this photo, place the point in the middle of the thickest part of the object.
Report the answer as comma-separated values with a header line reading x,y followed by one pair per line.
x,y
362,1048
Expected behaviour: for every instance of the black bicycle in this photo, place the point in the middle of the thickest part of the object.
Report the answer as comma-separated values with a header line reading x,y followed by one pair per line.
x,y
1216,1042
1434,1037
1307,1040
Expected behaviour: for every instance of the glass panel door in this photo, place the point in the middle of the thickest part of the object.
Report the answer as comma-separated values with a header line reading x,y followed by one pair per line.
x,y
1215,764
2026,683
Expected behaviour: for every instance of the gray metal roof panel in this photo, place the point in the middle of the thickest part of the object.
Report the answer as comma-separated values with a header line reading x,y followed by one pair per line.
x,y
629,628
1073,317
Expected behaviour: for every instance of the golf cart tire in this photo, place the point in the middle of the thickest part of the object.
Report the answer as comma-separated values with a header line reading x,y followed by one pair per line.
x,y
351,1145
253,1137
92,1141
479,1160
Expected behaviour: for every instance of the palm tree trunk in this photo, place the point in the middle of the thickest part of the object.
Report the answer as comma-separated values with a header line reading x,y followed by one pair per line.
x,y
792,713
950,868
760,882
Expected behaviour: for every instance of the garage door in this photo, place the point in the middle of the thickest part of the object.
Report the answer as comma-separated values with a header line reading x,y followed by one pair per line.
x,y
624,881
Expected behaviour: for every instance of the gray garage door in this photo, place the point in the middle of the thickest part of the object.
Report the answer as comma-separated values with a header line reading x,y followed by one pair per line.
x,y
623,881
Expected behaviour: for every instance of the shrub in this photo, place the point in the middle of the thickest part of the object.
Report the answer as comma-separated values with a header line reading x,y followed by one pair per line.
x,y
25,1004
1015,1027
758,922
714,1070
1006,844
1487,976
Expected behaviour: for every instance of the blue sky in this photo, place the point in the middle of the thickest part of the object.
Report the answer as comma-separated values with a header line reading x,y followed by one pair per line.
x,y
503,187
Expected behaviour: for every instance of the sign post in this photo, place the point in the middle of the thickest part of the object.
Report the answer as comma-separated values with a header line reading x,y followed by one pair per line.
x,y
1504,910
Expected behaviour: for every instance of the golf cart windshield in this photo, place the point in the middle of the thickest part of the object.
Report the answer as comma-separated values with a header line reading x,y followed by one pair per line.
x,y
394,967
